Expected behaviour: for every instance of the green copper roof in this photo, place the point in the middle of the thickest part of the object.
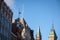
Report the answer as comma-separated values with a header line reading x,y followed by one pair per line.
x,y
52,33
38,31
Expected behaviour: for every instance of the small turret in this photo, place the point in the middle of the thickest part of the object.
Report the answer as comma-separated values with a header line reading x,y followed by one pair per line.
x,y
38,35
52,34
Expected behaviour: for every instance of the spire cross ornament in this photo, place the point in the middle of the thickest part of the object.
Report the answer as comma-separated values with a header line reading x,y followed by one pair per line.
x,y
52,25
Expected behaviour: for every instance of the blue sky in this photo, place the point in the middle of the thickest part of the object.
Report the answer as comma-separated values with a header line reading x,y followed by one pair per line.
x,y
38,13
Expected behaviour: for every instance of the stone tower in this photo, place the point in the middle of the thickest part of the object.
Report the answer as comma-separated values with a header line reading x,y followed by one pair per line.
x,y
52,34
38,35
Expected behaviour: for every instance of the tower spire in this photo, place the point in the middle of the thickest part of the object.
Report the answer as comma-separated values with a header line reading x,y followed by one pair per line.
x,y
38,35
52,25
19,14
38,32
22,10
